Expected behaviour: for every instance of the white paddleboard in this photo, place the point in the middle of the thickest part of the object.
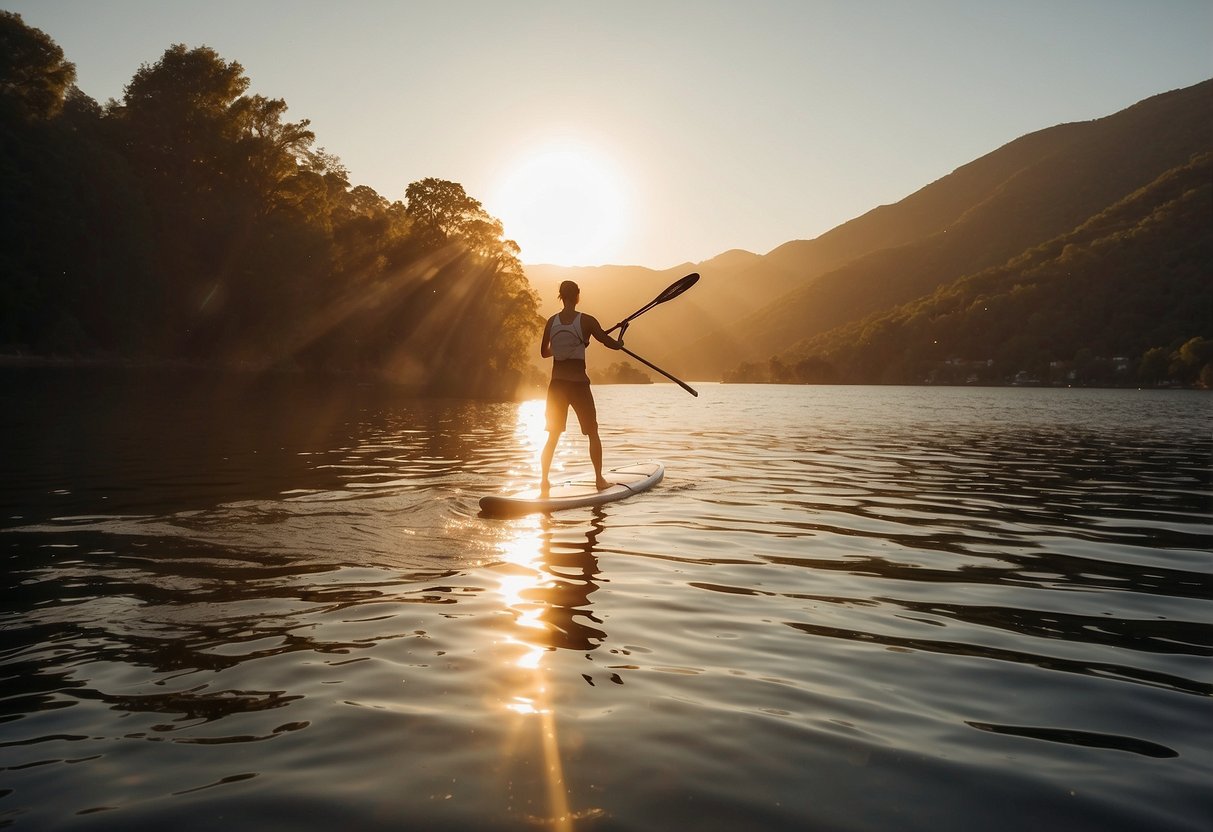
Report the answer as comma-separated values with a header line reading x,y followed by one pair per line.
x,y
626,481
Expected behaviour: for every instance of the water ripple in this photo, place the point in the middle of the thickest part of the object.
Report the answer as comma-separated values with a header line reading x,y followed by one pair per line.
x,y
844,608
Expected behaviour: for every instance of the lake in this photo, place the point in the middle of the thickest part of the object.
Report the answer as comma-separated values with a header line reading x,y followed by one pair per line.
x,y
256,604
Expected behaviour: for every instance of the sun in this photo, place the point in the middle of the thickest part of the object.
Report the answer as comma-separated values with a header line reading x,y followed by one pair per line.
x,y
563,204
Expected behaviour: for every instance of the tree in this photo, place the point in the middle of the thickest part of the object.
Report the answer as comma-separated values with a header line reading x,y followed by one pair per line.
x,y
271,149
1153,366
73,240
442,211
193,219
184,113
476,288
34,76
365,201
1193,357
779,372
243,206
815,370
621,372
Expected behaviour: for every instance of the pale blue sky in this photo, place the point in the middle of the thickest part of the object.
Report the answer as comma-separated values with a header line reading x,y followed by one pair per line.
x,y
721,124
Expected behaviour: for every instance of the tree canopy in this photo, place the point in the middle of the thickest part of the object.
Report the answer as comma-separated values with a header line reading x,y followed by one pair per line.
x,y
192,220
34,75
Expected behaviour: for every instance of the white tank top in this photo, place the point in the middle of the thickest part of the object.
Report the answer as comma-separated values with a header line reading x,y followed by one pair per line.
x,y
566,339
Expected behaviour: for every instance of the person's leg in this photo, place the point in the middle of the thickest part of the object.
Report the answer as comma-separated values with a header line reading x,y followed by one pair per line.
x,y
545,461
556,416
587,415
596,458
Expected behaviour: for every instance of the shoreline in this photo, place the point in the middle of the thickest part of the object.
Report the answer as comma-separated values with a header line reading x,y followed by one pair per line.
x,y
31,361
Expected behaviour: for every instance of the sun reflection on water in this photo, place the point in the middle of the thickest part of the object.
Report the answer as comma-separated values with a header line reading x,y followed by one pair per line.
x,y
546,574
547,570
531,427
522,588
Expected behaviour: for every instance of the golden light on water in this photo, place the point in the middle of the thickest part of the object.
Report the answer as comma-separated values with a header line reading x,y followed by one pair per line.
x,y
517,590
546,571
521,587
523,705
531,429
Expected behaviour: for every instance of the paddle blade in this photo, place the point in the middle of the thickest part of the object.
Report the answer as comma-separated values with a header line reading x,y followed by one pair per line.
x,y
677,288
672,291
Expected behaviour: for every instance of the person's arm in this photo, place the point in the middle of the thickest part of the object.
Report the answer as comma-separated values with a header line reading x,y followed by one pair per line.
x,y
594,329
545,345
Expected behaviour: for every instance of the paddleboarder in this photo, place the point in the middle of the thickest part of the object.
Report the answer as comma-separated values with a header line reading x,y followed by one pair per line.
x,y
565,338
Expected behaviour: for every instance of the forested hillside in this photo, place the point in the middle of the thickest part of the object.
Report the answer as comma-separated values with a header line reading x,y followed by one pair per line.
x,y
193,221
1126,298
1028,192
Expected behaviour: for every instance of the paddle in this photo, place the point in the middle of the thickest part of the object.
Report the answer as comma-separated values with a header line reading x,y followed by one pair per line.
x,y
672,291
653,366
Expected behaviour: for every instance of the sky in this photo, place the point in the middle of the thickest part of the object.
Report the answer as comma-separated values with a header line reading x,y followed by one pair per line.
x,y
661,132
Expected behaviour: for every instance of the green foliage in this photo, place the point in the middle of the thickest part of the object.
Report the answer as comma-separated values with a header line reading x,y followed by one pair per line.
x,y
1193,362
1125,298
34,76
194,221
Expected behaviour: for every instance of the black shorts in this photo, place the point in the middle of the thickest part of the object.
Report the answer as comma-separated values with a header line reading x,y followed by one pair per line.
x,y
575,394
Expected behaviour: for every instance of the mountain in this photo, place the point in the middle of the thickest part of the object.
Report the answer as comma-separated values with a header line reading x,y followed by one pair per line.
x,y
1119,292
1031,190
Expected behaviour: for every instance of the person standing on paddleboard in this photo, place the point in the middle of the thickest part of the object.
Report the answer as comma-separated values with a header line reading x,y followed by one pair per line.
x,y
565,338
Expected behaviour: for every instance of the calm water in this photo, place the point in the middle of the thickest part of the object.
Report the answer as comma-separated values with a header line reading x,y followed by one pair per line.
x,y
273,605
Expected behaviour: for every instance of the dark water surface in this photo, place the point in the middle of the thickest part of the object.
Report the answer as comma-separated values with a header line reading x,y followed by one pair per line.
x,y
254,605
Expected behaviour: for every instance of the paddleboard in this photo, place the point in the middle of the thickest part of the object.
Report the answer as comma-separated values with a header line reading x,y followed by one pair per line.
x,y
626,481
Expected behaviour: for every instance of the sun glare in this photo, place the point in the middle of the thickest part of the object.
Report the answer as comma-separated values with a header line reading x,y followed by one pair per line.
x,y
563,205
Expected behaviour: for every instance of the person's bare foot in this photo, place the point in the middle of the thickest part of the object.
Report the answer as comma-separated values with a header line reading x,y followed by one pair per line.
x,y
603,484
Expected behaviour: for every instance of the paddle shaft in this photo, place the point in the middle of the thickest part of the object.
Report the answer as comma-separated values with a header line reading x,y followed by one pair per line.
x,y
653,366
672,291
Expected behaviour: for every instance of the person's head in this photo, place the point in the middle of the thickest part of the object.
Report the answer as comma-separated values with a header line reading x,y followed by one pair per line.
x,y
569,291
